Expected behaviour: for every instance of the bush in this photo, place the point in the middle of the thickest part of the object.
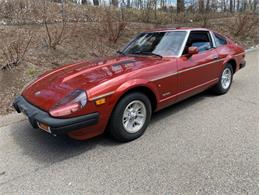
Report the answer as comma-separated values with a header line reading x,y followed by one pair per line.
x,y
15,52
112,27
243,24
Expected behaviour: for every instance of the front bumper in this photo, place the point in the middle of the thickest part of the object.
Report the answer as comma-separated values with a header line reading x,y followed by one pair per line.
x,y
56,125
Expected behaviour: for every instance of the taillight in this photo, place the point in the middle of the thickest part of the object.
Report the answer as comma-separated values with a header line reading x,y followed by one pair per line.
x,y
70,104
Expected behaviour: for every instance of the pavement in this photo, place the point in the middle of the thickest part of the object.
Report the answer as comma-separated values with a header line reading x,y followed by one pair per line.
x,y
204,145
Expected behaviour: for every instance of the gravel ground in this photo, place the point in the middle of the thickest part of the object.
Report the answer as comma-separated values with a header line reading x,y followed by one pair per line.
x,y
204,145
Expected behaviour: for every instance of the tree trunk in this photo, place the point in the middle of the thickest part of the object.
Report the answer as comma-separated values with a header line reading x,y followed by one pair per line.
x,y
255,5
128,4
96,2
180,6
201,6
114,3
231,6
244,6
238,5
224,4
207,6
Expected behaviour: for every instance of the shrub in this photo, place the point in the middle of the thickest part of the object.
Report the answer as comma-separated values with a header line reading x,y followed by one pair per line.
x,y
112,27
243,24
15,52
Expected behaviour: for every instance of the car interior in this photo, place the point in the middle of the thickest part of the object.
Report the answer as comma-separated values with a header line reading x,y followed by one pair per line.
x,y
199,39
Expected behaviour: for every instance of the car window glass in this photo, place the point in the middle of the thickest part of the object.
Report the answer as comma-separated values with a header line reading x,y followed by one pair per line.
x,y
161,43
219,40
199,39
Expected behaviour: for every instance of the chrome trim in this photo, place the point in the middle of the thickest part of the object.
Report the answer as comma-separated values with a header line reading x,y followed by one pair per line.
x,y
102,96
240,54
213,39
162,77
184,43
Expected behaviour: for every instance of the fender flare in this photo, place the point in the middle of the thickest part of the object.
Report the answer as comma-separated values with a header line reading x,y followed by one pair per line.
x,y
228,59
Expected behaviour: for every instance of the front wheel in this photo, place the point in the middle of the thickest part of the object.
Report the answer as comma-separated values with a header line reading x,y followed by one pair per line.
x,y
225,80
130,117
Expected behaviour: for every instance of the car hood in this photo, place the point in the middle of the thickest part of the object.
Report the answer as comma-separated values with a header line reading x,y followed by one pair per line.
x,y
52,86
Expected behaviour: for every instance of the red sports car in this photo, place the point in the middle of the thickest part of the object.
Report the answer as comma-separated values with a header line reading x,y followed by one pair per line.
x,y
118,94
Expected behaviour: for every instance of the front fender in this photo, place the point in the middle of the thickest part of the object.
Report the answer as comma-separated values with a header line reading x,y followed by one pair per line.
x,y
135,83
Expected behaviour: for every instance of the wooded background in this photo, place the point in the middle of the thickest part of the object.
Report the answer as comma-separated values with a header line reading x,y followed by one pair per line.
x,y
179,5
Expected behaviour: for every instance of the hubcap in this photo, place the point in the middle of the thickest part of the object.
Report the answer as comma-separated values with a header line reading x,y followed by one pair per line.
x,y
134,116
226,78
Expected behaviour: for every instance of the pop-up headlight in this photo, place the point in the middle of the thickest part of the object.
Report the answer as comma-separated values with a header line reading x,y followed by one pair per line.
x,y
70,103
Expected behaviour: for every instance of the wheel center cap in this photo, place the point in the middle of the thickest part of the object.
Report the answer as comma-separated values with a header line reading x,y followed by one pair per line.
x,y
132,115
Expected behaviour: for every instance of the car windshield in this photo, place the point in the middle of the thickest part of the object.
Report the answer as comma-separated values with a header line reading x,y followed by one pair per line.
x,y
157,43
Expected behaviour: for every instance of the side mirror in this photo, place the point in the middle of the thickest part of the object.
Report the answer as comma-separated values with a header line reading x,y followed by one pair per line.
x,y
193,50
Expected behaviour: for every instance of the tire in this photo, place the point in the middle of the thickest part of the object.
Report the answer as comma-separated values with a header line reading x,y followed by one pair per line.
x,y
126,123
222,86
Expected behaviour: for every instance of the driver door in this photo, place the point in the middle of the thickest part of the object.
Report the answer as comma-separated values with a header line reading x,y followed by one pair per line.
x,y
197,72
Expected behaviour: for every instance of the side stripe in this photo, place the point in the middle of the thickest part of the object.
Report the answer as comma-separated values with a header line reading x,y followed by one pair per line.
x,y
175,73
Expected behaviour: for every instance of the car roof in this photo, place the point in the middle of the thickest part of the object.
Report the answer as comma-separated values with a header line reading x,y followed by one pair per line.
x,y
176,29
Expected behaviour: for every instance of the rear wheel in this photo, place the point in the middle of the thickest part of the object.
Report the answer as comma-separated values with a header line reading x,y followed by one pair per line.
x,y
130,117
225,80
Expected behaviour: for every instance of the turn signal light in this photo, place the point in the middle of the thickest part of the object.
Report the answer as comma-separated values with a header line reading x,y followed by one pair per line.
x,y
101,101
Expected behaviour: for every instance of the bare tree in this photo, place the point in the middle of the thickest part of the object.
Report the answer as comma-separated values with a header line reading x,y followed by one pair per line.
x,y
238,5
231,6
255,5
180,6
56,37
201,6
15,51
128,4
207,6
96,2
114,3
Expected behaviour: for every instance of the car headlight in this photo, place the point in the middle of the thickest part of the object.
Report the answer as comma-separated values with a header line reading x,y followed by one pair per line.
x,y
70,103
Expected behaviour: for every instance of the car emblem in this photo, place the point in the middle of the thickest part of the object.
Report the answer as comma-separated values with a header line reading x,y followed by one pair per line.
x,y
37,93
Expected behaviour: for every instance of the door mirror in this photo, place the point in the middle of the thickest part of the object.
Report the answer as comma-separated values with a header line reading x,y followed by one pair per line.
x,y
193,50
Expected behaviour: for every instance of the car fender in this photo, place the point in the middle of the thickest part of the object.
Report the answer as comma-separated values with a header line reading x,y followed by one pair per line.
x,y
229,58
135,83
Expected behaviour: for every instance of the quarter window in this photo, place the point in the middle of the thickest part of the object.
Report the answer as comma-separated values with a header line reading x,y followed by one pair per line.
x,y
219,40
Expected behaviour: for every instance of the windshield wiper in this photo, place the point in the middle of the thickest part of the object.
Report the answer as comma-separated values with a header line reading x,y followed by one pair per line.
x,y
147,53
120,52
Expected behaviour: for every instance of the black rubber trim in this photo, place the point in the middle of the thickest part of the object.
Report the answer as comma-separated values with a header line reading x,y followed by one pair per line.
x,y
242,64
57,125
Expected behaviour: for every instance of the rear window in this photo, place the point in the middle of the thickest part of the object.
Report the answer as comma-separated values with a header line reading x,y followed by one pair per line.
x,y
219,40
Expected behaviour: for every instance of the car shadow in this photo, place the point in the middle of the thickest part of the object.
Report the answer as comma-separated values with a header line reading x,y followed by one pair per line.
x,y
47,149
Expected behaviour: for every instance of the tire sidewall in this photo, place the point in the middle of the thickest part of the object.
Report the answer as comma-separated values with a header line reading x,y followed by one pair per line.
x,y
116,126
219,87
